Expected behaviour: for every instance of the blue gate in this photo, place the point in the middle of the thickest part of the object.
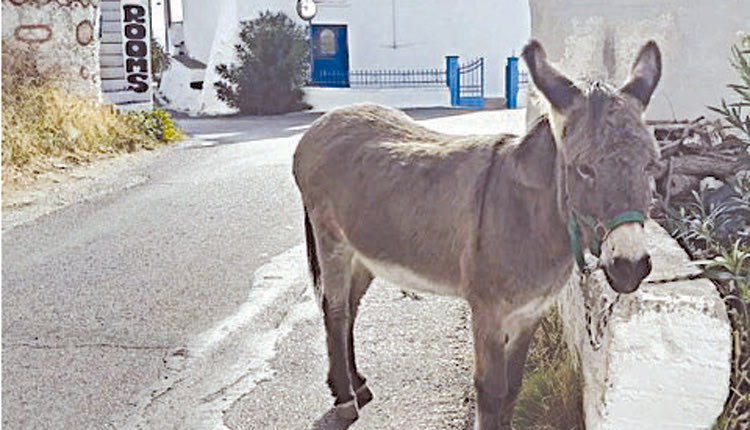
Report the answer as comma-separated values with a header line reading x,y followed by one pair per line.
x,y
330,56
466,82
516,82
471,83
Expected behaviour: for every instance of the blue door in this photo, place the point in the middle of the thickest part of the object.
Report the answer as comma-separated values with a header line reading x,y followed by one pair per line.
x,y
330,56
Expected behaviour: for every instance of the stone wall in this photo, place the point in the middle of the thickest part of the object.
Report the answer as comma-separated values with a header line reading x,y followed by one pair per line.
x,y
61,35
655,359
600,40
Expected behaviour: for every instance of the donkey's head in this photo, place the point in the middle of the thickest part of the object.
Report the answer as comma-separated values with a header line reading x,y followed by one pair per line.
x,y
606,151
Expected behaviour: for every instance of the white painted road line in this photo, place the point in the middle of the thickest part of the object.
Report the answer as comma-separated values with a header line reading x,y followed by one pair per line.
x,y
229,360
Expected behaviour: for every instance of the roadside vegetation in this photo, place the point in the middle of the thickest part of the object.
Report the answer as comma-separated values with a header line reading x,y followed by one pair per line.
x,y
43,125
551,396
271,70
720,233
703,201
160,60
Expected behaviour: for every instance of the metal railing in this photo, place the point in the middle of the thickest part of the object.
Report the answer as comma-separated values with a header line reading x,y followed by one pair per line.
x,y
413,78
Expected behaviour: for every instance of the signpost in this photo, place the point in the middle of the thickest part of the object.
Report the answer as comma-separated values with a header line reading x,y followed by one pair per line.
x,y
137,49
125,52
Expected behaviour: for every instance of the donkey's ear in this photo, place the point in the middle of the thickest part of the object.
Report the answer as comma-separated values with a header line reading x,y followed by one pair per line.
x,y
645,73
533,160
558,89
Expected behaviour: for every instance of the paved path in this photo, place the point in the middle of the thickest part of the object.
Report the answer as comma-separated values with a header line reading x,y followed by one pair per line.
x,y
181,299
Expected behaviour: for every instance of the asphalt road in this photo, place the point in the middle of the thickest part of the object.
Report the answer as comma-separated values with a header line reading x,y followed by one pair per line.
x,y
172,293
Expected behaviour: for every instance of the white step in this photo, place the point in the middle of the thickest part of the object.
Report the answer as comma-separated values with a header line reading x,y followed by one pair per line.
x,y
113,73
114,85
110,6
120,97
112,37
112,60
110,49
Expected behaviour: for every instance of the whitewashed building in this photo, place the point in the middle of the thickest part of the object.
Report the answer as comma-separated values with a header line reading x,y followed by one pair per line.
x,y
379,34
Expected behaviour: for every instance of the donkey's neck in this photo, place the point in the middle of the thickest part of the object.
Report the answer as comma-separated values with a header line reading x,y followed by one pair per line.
x,y
523,227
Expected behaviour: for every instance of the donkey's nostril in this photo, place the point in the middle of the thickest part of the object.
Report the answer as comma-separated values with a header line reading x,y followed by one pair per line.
x,y
643,267
625,275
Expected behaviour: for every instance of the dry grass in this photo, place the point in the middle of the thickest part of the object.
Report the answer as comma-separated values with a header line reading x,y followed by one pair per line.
x,y
551,397
43,124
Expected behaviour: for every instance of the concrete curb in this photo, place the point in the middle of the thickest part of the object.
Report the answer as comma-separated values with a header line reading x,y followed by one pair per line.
x,y
657,358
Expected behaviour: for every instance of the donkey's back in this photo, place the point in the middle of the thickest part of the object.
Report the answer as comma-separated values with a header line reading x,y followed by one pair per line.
x,y
401,197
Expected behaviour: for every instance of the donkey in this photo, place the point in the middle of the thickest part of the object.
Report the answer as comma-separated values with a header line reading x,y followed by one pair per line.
x,y
498,220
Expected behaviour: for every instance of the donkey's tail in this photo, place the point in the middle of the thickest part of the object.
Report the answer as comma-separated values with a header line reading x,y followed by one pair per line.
x,y
312,253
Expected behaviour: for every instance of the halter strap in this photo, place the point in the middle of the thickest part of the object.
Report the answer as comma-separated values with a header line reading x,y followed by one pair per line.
x,y
599,231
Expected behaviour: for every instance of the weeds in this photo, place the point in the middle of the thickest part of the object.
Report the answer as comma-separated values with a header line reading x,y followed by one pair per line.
x,y
717,233
551,397
157,123
42,122
733,111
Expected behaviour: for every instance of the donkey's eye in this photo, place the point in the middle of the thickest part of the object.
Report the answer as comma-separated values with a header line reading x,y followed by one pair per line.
x,y
586,172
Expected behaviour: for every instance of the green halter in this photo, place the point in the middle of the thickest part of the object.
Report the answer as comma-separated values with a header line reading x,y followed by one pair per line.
x,y
599,231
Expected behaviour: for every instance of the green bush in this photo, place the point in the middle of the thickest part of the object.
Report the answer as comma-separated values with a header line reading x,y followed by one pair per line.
x,y
157,123
717,235
733,112
160,60
272,68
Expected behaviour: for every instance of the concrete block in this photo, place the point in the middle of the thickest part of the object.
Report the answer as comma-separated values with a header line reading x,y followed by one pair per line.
x,y
655,359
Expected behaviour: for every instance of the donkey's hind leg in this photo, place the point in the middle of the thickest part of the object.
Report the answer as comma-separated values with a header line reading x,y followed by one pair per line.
x,y
360,282
336,276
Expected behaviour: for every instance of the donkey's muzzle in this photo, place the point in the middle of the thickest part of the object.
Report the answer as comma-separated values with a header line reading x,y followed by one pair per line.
x,y
625,275
625,259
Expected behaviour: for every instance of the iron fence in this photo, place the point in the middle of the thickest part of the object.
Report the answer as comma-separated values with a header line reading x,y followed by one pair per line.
x,y
414,78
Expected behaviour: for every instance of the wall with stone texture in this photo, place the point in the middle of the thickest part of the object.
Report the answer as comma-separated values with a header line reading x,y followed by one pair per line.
x,y
600,40
62,36
658,358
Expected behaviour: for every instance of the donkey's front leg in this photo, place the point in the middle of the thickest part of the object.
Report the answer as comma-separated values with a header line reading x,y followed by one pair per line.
x,y
515,359
490,377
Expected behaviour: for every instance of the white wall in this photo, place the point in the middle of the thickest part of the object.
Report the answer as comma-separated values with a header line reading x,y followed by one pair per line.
x,y
425,32
62,39
201,20
158,24
694,36
325,99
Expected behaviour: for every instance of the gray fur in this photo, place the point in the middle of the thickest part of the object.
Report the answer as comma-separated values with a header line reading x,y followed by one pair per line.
x,y
480,217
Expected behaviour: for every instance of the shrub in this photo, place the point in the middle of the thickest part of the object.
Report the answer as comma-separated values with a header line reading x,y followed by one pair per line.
x,y
718,235
160,60
272,68
733,112
157,124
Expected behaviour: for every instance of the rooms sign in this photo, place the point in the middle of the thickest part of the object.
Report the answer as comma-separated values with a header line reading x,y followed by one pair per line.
x,y
137,48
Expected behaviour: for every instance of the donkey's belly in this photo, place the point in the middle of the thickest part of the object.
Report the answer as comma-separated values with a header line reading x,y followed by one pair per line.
x,y
407,278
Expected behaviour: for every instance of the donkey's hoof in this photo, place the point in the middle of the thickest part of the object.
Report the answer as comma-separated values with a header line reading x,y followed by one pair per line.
x,y
348,411
364,396
332,421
